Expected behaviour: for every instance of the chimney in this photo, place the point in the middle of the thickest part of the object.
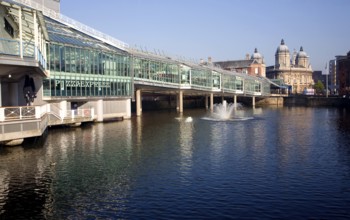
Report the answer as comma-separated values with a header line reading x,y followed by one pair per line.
x,y
247,57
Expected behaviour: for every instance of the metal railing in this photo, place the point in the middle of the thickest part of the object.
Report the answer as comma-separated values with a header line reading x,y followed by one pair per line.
x,y
75,24
36,112
18,113
76,113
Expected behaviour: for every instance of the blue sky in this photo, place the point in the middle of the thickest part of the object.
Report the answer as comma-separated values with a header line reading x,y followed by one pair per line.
x,y
222,29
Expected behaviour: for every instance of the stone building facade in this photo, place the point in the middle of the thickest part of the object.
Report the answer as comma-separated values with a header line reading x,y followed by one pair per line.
x,y
253,65
295,71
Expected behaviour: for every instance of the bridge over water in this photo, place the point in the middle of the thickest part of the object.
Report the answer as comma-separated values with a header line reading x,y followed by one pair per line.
x,y
71,73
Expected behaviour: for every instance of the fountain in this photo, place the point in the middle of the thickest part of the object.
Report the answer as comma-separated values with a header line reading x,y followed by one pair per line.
x,y
226,112
223,111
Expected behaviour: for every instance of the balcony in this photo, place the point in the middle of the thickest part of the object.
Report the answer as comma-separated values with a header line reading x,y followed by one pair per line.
x,y
10,51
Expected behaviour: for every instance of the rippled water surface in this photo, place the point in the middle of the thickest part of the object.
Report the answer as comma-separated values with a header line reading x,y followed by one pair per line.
x,y
282,163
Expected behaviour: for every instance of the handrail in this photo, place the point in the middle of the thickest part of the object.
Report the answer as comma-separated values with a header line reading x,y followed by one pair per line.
x,y
15,113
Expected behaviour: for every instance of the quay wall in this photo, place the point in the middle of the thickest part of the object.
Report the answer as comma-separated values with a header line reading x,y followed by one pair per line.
x,y
261,101
314,101
279,101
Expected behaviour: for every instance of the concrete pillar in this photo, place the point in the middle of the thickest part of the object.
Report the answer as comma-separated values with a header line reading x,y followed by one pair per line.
x,y
180,98
63,109
177,102
2,114
235,101
100,110
128,108
211,102
253,101
138,102
206,102
222,99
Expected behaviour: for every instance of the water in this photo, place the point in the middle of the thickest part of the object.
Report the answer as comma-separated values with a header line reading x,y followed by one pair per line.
x,y
282,163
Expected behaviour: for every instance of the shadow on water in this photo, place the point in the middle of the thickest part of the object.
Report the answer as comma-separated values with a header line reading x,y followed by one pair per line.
x,y
25,180
26,177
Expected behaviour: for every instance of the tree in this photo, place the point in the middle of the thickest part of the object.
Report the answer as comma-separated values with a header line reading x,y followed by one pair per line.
x,y
319,87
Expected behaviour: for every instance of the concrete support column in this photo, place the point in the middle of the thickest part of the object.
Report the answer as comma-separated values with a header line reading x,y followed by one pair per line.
x,y
138,102
206,102
180,101
99,111
222,99
63,109
128,108
177,102
211,102
235,101
253,101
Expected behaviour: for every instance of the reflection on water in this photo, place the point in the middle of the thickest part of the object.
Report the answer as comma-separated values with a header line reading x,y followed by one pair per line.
x,y
283,163
185,131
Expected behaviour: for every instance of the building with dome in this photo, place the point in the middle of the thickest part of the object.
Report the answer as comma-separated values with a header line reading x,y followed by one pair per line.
x,y
253,65
294,71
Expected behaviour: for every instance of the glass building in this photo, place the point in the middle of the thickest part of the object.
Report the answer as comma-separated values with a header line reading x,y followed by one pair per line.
x,y
80,65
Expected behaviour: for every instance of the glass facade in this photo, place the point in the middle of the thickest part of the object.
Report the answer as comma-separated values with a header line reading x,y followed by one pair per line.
x,y
78,71
232,83
252,86
156,70
82,66
89,72
201,78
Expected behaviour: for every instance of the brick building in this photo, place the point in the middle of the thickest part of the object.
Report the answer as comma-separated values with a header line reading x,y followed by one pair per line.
x,y
253,65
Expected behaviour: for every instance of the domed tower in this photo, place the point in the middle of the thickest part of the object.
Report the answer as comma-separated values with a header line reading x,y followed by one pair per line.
x,y
302,59
282,56
257,56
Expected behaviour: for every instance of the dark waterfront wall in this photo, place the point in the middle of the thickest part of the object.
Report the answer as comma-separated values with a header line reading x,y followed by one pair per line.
x,y
259,101
316,101
169,102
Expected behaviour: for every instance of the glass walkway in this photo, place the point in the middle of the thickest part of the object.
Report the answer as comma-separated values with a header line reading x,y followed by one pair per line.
x,y
67,66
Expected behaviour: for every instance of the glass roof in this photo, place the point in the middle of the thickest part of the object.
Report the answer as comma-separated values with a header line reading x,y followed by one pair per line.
x,y
60,33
